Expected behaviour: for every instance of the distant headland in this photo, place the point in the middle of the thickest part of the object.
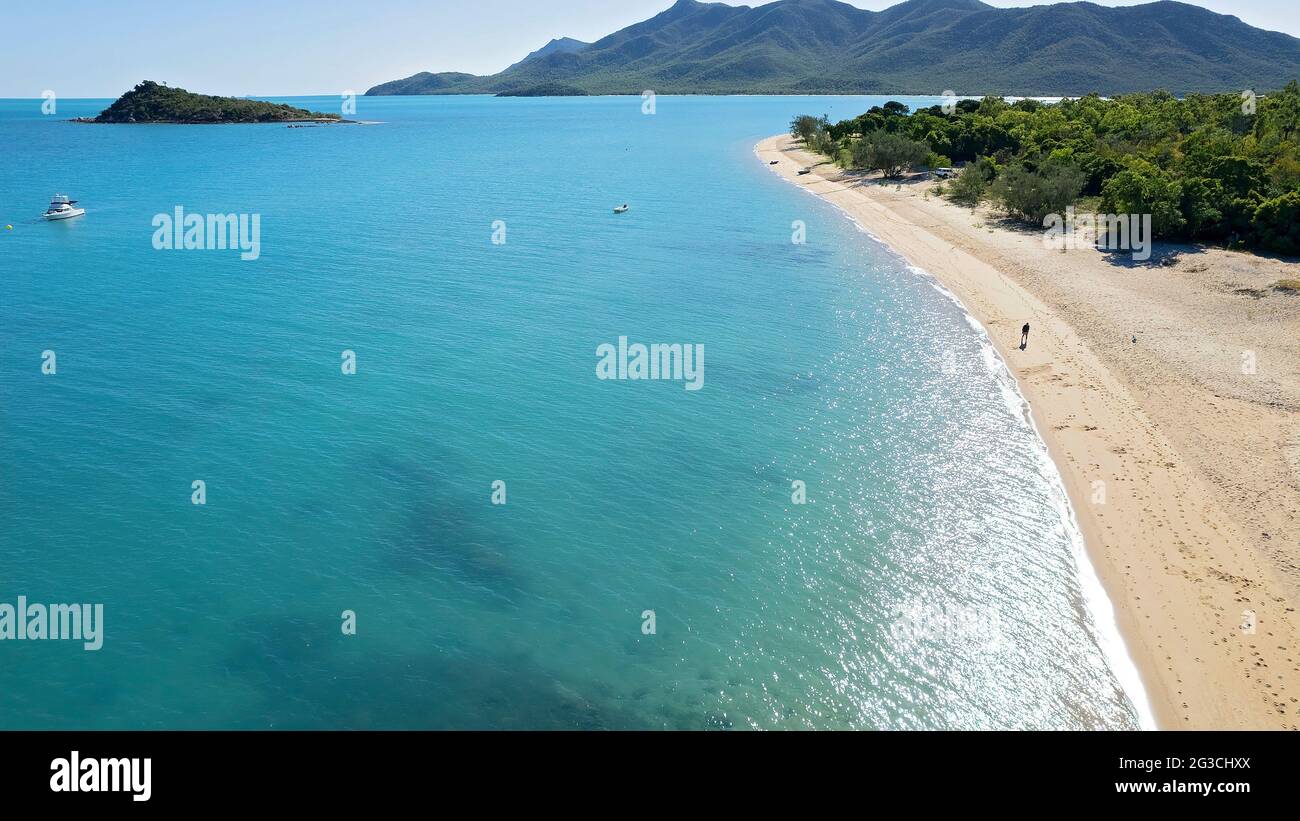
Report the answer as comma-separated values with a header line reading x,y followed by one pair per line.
x,y
545,90
151,102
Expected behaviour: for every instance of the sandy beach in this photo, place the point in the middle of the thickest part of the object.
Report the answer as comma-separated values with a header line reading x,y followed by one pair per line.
x,y
1168,392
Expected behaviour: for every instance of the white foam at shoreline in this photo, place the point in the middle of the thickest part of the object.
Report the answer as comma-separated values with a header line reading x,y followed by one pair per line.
x,y
1096,601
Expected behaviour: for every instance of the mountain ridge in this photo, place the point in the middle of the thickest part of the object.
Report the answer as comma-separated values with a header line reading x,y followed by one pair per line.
x,y
559,45
916,47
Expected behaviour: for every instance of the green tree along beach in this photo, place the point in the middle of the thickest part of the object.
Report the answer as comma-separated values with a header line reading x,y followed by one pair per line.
x,y
1221,168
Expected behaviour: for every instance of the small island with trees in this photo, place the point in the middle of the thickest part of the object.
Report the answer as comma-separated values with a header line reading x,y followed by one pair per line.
x,y
151,102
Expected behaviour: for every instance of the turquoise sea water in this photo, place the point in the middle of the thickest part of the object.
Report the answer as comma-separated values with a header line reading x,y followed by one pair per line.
x,y
929,582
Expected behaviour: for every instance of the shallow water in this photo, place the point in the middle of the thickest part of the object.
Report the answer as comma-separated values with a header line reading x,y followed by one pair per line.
x,y
928,582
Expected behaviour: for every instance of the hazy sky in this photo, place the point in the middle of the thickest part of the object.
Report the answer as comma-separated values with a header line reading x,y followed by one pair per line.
x,y
100,48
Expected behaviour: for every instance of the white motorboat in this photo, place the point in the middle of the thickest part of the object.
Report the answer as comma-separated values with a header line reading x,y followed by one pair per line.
x,y
62,208
622,209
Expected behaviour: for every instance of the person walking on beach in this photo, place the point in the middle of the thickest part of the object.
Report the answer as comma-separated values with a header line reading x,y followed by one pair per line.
x,y
1024,337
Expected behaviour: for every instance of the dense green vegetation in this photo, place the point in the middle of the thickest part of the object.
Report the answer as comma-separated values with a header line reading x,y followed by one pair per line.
x,y
546,90
972,186
914,47
150,102
1216,168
